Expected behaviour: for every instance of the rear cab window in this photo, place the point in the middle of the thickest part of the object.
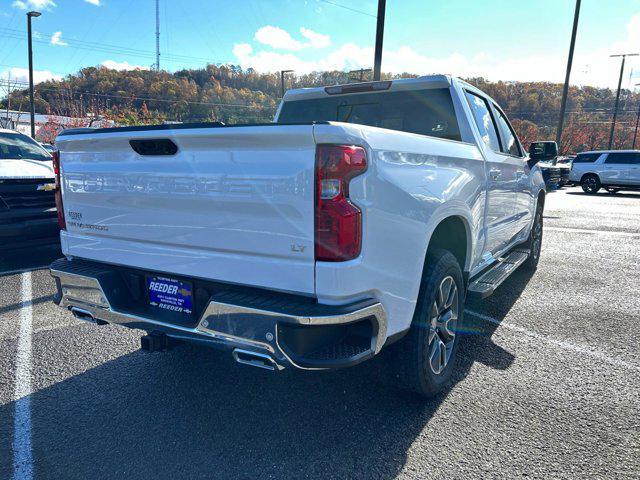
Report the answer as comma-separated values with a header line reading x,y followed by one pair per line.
x,y
425,112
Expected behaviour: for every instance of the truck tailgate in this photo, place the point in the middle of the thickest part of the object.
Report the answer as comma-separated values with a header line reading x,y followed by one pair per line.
x,y
234,204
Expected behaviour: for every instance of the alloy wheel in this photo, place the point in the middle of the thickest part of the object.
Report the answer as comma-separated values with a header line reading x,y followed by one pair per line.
x,y
442,330
590,184
536,243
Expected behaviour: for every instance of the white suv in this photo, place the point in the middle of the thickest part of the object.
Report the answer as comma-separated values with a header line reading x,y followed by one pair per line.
x,y
613,170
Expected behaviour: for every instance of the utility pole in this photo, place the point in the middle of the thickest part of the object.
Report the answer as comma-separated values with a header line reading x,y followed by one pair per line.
x,y
32,106
615,109
7,122
157,35
565,90
635,133
377,60
282,74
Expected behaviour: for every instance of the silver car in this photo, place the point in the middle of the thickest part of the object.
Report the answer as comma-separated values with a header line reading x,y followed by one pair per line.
x,y
613,170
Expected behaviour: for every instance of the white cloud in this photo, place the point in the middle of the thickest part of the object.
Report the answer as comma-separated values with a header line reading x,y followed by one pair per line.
x,y
56,40
113,65
93,2
22,75
34,4
279,39
589,67
316,40
276,37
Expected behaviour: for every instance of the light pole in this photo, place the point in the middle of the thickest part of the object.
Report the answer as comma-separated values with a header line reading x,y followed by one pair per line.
x,y
565,90
635,133
282,74
615,109
32,106
377,57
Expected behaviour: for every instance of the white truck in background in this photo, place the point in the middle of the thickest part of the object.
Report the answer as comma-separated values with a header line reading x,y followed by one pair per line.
x,y
28,215
362,217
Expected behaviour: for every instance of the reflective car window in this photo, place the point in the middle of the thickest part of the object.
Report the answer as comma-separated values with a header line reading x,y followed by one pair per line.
x,y
15,146
484,120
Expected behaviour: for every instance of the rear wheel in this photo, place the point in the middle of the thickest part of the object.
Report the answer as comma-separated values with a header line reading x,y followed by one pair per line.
x,y
424,360
534,243
590,184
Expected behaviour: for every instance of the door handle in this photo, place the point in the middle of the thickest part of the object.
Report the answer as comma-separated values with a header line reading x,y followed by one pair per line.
x,y
495,174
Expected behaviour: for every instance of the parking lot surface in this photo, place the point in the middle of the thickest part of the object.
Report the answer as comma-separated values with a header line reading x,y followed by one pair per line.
x,y
548,384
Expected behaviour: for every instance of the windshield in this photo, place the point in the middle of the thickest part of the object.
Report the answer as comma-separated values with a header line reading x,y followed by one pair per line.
x,y
426,112
16,146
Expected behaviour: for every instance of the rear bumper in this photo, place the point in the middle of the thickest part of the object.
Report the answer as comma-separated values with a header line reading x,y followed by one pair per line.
x,y
15,231
291,331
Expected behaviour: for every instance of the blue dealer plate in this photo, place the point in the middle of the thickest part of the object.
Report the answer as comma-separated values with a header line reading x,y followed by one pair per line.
x,y
171,295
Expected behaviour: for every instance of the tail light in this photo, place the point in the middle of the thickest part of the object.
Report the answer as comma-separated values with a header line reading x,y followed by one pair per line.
x,y
338,221
58,192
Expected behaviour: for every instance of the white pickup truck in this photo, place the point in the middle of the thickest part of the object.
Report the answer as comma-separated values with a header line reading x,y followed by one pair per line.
x,y
360,218
27,204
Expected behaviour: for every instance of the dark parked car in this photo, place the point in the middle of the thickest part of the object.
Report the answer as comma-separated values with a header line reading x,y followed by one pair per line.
x,y
547,152
28,214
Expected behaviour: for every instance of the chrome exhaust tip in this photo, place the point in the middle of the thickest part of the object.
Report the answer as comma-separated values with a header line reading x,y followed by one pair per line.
x,y
82,314
86,316
260,360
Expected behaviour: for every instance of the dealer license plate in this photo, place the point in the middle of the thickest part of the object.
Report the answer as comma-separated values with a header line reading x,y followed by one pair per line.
x,y
170,294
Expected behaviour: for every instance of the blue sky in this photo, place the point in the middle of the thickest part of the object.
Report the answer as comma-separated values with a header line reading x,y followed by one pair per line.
x,y
497,39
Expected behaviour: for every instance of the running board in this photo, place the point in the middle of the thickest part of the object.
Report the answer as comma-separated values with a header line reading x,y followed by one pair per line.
x,y
486,283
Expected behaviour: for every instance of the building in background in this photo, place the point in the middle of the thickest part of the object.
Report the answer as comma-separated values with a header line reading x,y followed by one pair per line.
x,y
47,126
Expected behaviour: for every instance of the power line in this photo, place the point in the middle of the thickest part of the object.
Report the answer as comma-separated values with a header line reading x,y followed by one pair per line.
x,y
102,47
133,97
348,8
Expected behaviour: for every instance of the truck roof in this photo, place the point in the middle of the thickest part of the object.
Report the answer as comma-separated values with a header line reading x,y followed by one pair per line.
x,y
609,151
428,81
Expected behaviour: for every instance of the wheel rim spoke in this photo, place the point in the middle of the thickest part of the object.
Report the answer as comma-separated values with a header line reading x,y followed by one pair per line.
x,y
442,329
436,358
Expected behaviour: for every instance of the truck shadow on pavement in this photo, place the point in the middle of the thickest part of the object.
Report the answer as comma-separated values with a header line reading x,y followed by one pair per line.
x,y
191,412
605,194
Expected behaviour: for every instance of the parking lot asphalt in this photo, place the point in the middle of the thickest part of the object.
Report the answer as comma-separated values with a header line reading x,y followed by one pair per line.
x,y
548,384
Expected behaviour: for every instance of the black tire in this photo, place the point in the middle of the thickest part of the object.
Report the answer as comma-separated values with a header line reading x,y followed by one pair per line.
x,y
612,191
534,242
590,184
408,361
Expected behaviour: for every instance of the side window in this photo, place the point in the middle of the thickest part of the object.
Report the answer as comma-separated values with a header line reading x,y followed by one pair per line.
x,y
621,158
484,120
586,158
509,139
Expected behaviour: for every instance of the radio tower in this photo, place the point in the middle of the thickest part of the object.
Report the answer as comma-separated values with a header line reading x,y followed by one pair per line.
x,y
157,35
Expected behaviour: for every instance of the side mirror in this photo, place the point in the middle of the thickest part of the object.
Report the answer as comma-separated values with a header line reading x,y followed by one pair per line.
x,y
541,151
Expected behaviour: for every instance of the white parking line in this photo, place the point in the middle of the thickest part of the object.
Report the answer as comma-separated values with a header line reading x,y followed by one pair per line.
x,y
22,453
591,352
599,232
23,270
